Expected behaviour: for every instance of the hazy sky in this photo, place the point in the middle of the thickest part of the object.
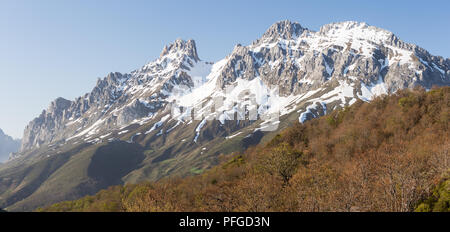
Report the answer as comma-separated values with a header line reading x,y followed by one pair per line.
x,y
59,48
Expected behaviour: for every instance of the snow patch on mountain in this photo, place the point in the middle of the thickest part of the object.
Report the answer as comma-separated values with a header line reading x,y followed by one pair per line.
x,y
199,128
158,124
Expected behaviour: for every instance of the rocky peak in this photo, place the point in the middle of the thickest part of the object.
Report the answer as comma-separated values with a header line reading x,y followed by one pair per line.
x,y
357,30
186,47
239,49
59,104
283,29
346,25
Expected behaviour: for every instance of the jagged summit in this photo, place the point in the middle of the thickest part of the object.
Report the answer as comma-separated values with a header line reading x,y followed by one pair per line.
x,y
180,45
283,29
173,56
119,99
348,25
59,103
356,30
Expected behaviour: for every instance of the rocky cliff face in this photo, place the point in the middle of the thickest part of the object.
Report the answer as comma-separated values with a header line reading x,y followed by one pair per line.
x,y
312,71
8,145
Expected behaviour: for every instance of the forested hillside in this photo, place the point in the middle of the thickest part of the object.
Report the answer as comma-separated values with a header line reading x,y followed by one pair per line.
x,y
387,155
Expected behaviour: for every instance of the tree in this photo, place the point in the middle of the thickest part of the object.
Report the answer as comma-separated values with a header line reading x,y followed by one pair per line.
x,y
283,161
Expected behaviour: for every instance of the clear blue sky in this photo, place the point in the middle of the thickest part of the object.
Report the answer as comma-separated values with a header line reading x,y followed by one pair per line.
x,y
59,48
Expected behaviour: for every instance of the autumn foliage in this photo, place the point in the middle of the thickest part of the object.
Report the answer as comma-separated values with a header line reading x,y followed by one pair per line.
x,y
387,155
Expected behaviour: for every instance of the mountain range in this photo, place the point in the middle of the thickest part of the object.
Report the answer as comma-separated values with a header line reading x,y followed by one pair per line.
x,y
175,115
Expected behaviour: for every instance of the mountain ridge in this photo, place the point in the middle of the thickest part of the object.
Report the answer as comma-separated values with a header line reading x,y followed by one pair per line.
x,y
109,90
177,114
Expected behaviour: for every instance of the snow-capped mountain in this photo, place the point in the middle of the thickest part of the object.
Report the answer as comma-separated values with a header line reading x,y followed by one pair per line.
x,y
119,99
314,72
178,113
